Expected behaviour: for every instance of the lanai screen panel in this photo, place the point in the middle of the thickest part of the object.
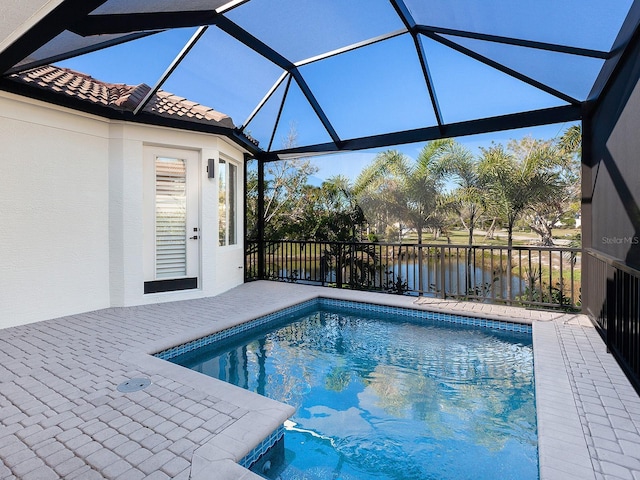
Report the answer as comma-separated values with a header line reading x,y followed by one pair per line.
x,y
330,75
590,24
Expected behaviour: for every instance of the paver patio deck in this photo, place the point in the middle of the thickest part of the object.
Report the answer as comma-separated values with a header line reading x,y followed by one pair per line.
x,y
61,415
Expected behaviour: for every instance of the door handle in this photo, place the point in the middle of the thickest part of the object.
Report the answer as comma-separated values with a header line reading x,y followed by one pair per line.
x,y
195,237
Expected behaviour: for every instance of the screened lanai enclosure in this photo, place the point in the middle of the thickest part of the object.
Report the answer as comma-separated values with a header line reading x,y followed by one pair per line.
x,y
360,74
349,75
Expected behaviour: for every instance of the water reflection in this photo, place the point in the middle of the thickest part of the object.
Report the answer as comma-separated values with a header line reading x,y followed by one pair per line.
x,y
427,277
391,400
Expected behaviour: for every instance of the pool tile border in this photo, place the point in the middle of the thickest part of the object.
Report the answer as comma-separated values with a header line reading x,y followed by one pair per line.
x,y
413,313
416,314
173,352
254,455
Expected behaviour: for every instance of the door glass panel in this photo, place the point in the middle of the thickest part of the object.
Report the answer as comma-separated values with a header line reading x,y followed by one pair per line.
x,y
222,202
232,203
171,219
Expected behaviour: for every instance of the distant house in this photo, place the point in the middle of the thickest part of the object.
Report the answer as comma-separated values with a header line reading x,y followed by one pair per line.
x,y
104,208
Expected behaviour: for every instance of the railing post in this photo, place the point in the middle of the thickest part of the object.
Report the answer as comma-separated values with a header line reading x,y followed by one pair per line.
x,y
340,252
420,275
610,306
261,244
443,289
509,275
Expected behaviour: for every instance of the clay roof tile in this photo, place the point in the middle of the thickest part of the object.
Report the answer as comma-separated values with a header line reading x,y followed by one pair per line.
x,y
119,96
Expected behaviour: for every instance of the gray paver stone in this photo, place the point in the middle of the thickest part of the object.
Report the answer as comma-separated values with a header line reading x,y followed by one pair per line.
x,y
152,441
27,466
156,461
69,466
612,470
181,446
17,458
175,466
93,427
625,461
162,446
138,456
158,475
86,473
198,435
77,441
132,474
109,416
26,432
165,427
114,441
42,473
12,445
49,447
101,458
58,457
177,433
119,422
152,421
127,448
115,469
103,435
88,448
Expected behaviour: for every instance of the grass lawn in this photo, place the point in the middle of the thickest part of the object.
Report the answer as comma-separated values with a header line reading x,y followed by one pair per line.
x,y
520,238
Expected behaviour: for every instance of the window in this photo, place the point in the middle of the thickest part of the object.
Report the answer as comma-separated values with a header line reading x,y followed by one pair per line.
x,y
227,181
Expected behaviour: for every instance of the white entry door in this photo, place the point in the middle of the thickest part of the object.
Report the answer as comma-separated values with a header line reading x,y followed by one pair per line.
x,y
172,228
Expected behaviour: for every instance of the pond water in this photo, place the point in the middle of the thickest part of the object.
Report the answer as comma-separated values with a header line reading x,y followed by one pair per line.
x,y
426,279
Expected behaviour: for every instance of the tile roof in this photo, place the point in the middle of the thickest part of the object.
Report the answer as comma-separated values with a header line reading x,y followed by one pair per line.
x,y
119,96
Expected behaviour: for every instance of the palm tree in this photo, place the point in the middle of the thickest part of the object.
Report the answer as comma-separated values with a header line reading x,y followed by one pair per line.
x,y
469,200
571,140
517,182
517,179
377,190
409,189
559,158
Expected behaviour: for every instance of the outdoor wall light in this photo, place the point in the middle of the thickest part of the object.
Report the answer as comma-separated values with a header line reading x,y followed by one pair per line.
x,y
210,168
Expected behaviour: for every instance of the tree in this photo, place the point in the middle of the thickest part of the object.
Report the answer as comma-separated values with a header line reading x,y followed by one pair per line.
x,y
407,191
339,219
375,190
564,199
286,195
284,198
517,178
338,216
469,199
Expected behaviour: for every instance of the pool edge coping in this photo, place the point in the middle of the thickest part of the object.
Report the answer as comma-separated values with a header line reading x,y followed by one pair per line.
x,y
551,464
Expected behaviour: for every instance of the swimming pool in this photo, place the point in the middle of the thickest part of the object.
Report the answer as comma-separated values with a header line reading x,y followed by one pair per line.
x,y
387,393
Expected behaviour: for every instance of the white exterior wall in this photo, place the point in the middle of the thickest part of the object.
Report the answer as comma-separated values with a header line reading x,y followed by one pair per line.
x,y
221,268
54,206
72,233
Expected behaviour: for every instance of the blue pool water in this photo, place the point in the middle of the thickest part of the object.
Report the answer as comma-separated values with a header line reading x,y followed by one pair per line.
x,y
384,397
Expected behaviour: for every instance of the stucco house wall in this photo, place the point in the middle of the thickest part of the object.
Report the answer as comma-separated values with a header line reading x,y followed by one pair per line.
x,y
54,204
71,204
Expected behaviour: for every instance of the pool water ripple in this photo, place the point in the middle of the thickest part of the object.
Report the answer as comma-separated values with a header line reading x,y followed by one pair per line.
x,y
388,398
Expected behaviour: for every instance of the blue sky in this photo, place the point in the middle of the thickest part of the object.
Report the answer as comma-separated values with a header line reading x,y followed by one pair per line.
x,y
376,89
350,164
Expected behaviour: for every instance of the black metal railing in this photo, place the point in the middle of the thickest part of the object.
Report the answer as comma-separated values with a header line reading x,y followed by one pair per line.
x,y
613,303
545,277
